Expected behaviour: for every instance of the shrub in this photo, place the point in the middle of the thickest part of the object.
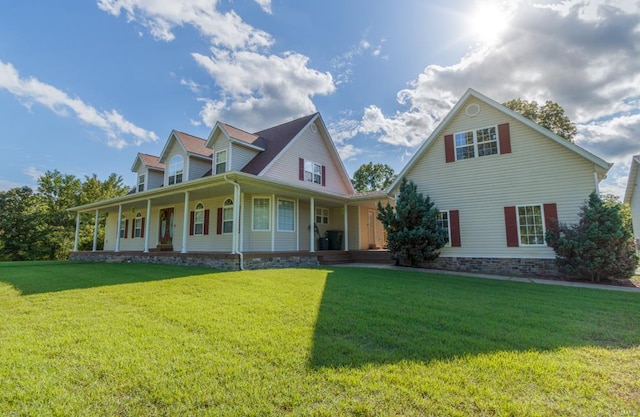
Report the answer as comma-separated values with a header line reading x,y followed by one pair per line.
x,y
413,233
600,245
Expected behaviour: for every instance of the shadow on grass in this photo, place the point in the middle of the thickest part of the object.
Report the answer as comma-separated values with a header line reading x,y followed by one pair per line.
x,y
379,316
43,277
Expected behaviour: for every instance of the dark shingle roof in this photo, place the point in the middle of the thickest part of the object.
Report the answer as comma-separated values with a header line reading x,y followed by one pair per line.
x,y
273,140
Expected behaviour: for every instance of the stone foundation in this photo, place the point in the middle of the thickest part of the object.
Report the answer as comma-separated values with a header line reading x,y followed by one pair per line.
x,y
222,261
498,266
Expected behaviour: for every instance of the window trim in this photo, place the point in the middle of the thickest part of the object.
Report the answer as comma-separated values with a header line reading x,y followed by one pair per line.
x,y
216,163
227,206
253,213
123,227
141,182
542,221
137,226
448,243
293,214
173,172
474,132
323,210
196,223
311,175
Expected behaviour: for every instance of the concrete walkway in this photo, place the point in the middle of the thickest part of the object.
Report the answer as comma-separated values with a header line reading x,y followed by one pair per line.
x,y
499,277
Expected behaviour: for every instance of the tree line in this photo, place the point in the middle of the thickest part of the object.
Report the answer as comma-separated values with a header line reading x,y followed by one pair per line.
x,y
36,224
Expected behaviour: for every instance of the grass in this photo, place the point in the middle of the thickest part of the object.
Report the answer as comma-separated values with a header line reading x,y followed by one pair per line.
x,y
131,339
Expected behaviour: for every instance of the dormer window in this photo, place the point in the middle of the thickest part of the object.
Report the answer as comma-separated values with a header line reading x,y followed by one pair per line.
x,y
176,167
141,183
221,161
312,172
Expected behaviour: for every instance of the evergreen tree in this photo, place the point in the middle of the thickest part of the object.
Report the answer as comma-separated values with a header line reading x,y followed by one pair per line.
x,y
601,244
413,233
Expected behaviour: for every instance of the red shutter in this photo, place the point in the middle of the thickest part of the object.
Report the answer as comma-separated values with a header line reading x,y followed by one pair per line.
x,y
324,175
206,222
449,150
511,226
454,230
219,225
126,228
142,228
192,217
301,169
504,136
550,215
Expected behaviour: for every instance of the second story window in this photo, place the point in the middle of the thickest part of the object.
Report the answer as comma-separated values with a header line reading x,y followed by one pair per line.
x,y
140,183
480,142
312,172
221,162
176,168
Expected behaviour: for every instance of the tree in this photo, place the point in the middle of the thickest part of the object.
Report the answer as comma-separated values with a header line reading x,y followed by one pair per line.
x,y
22,226
413,233
550,116
373,177
600,245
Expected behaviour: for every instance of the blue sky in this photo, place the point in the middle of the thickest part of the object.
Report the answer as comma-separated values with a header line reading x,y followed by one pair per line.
x,y
87,85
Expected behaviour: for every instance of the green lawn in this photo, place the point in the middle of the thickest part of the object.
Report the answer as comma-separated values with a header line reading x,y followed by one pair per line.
x,y
129,339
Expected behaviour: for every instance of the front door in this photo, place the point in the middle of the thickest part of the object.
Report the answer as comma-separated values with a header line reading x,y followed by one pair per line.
x,y
165,236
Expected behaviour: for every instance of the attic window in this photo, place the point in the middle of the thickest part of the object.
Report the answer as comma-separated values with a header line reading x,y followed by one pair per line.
x,y
176,167
481,142
221,161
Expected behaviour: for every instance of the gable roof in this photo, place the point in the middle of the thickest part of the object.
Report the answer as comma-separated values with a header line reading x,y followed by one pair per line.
x,y
631,180
149,161
601,163
192,145
273,140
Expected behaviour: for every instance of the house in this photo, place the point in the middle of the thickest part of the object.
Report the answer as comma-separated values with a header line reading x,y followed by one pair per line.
x,y
499,181
276,197
632,195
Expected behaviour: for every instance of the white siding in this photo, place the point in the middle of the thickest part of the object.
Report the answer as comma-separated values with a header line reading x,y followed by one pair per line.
x,y
537,171
212,242
197,168
312,147
635,204
110,230
240,157
155,179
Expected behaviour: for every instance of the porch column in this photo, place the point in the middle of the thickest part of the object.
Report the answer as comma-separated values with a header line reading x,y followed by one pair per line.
x,y
118,226
185,222
273,221
147,227
312,233
96,224
297,211
345,236
75,241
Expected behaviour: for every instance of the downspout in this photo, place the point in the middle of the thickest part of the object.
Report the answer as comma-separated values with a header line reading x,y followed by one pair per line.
x,y
236,222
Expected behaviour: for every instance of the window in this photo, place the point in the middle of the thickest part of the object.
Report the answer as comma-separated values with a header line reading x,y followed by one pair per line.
x,y
322,215
176,167
481,142
312,172
198,219
221,162
137,226
261,213
443,222
123,227
531,225
227,216
286,216
140,183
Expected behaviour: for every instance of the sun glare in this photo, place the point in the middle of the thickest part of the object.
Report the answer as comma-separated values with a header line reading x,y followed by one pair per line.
x,y
488,21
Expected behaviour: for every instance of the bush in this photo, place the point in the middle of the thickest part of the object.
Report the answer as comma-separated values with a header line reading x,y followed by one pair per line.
x,y
601,244
413,233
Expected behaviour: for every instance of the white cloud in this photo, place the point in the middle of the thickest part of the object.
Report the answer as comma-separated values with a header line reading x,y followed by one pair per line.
x,y
343,64
33,173
259,90
265,5
161,16
582,55
193,86
120,132
347,152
